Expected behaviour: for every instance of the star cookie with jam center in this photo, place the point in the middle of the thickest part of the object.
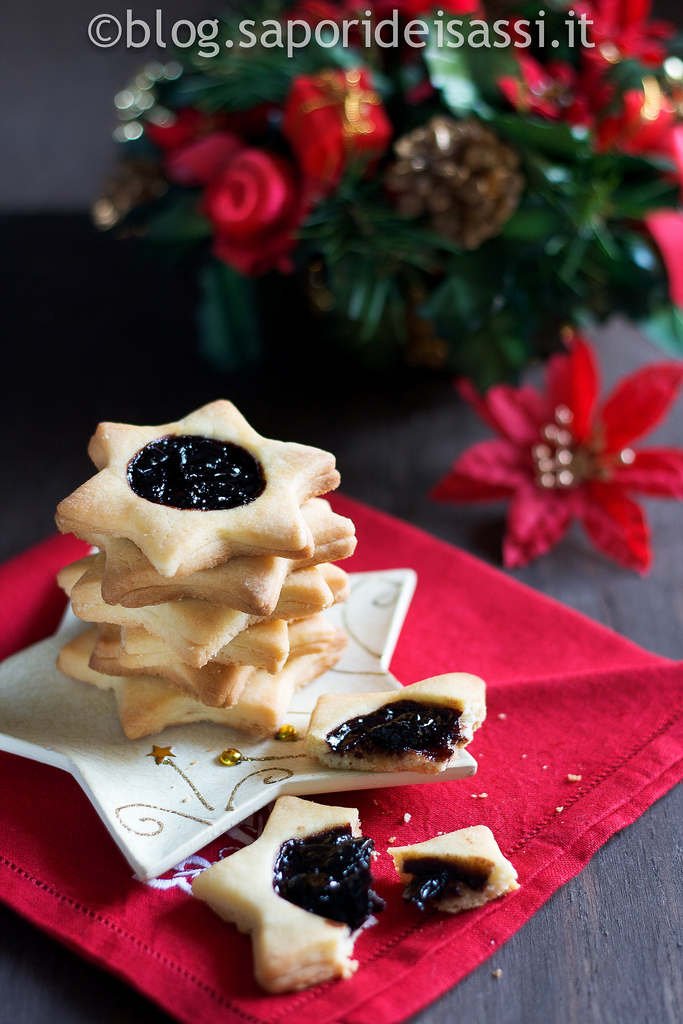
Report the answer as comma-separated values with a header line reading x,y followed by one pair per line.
x,y
302,890
194,493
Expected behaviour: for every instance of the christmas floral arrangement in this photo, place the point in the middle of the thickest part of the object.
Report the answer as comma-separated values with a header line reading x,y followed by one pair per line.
x,y
449,186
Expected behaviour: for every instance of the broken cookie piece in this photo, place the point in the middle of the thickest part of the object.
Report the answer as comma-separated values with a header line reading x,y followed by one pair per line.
x,y
454,872
302,891
420,728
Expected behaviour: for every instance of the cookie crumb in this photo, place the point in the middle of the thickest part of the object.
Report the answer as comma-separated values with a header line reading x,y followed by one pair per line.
x,y
523,755
193,762
574,778
497,973
502,716
406,817
483,796
392,840
186,799
544,767
558,810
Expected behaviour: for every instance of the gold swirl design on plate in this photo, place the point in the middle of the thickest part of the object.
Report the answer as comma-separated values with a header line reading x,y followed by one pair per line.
x,y
382,600
189,782
269,780
155,821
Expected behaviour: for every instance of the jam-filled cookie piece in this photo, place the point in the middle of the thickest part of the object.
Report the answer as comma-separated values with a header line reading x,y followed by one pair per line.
x,y
419,728
454,872
192,494
302,890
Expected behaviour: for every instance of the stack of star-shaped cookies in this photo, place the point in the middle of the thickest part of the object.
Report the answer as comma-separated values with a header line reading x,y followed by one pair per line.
x,y
213,567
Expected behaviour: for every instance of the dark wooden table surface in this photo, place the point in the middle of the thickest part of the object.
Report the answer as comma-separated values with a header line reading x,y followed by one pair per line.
x,y
90,334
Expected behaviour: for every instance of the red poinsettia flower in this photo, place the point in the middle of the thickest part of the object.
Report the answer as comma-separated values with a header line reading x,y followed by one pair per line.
x,y
559,459
553,90
410,9
315,11
622,29
644,125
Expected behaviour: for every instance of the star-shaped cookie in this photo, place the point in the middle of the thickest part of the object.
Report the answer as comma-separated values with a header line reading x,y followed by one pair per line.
x,y
214,684
293,947
197,630
147,705
193,493
250,583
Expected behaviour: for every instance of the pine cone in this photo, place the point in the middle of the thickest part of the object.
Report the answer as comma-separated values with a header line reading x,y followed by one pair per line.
x,y
133,182
460,175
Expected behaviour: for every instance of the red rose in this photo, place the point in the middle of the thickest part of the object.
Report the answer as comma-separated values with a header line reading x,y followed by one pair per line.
x,y
202,159
255,207
189,124
185,124
331,119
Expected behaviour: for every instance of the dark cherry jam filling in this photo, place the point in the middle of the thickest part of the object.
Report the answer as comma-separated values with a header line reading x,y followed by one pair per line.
x,y
329,874
186,471
435,879
402,725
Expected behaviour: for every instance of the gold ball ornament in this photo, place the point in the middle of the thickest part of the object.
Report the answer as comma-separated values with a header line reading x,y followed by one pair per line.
x,y
460,175
287,734
230,757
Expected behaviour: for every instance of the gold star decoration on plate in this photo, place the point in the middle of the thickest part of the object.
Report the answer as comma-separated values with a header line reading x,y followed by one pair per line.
x,y
191,519
160,753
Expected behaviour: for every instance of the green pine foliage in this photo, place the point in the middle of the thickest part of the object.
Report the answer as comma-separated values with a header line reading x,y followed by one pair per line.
x,y
575,251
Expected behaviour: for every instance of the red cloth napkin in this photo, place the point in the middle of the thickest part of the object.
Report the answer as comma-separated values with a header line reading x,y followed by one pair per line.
x,y
566,697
